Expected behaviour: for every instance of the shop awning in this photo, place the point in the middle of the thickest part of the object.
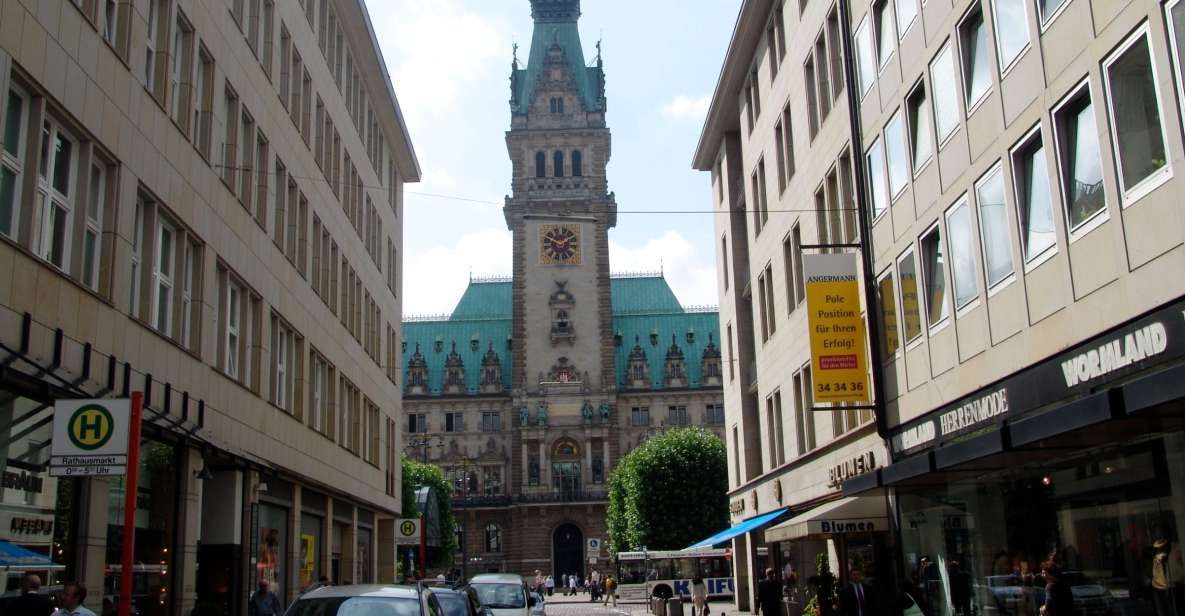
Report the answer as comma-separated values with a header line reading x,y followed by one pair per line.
x,y
13,556
851,514
747,526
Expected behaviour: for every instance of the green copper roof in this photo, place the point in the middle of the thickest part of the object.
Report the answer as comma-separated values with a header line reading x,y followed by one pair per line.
x,y
589,81
644,308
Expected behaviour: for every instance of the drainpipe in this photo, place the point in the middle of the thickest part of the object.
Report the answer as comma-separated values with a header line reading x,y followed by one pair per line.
x,y
864,217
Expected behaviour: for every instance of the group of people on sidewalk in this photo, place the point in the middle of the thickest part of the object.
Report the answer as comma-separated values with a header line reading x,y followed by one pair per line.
x,y
599,587
32,602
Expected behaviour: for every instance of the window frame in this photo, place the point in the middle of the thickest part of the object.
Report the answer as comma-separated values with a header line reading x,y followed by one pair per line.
x,y
897,116
164,283
93,225
1006,67
942,140
1149,183
15,163
910,253
889,273
1096,219
1015,153
902,32
912,125
932,326
50,197
963,201
878,37
1045,21
878,142
984,178
864,45
967,72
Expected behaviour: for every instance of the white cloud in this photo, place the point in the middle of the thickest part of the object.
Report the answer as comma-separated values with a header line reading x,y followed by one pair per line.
x,y
434,279
693,280
686,108
436,51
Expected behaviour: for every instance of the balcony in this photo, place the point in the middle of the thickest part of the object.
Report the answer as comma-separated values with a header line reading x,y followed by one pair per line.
x,y
463,502
563,496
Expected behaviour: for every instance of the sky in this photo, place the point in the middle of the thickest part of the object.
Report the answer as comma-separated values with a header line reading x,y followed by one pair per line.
x,y
449,62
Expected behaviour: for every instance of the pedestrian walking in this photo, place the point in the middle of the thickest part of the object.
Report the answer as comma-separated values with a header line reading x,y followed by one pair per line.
x,y
30,602
699,597
549,583
854,599
264,602
611,589
769,594
73,594
1059,600
571,585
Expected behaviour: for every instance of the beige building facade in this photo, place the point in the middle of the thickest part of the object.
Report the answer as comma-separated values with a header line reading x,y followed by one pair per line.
x,y
777,142
203,202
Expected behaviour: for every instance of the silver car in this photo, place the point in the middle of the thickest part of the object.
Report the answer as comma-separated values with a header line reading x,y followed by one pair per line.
x,y
503,594
367,600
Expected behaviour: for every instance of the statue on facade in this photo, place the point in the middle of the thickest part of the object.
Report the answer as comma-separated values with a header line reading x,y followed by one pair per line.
x,y
524,416
586,410
541,413
604,412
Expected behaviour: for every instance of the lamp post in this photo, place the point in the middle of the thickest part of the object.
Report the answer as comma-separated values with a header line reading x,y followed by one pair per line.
x,y
465,464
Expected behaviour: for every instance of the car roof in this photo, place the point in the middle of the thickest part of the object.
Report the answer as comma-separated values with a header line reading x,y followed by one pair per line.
x,y
496,578
363,590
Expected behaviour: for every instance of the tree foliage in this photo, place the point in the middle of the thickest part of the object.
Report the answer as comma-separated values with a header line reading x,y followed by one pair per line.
x,y
415,476
669,493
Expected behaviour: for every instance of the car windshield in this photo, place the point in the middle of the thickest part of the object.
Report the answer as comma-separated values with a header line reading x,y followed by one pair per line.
x,y
501,596
355,606
454,604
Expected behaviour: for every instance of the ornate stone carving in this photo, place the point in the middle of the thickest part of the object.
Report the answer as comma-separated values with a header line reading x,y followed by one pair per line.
x,y
417,374
675,369
454,373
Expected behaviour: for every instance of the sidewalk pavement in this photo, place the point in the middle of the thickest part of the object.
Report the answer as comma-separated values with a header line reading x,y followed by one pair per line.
x,y
715,608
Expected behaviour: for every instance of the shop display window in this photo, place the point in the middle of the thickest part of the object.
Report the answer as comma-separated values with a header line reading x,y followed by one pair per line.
x,y
1108,518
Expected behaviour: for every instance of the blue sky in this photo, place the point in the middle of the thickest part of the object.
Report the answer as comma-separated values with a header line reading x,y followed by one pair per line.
x,y
450,64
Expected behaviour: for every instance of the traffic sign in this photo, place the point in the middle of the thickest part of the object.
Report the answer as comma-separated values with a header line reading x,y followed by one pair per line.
x,y
90,437
407,531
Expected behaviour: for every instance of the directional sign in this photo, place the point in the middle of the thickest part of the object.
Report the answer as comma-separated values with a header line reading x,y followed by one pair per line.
x,y
407,531
90,437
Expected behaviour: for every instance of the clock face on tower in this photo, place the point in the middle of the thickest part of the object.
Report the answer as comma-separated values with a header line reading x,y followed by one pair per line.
x,y
559,244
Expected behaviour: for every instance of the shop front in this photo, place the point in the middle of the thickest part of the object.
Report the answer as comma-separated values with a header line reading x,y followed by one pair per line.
x,y
1074,466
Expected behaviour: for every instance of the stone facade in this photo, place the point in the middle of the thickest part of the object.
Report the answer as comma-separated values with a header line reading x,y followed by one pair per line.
x,y
531,458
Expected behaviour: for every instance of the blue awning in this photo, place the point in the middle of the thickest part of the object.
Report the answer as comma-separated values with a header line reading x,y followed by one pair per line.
x,y
749,525
13,556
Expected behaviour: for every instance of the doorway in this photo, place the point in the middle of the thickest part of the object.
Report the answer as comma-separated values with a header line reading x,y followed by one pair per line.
x,y
567,547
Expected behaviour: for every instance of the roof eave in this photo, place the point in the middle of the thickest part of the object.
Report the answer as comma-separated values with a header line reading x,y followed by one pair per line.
x,y
405,152
723,114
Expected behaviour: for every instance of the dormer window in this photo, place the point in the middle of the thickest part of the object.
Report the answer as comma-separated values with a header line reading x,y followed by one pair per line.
x,y
540,165
577,164
558,163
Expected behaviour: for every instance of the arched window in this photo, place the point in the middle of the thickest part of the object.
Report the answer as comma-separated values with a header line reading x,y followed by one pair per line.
x,y
553,105
493,538
577,163
560,105
540,165
558,161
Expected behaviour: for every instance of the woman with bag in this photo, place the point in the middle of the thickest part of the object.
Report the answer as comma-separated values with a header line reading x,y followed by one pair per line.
x,y
699,597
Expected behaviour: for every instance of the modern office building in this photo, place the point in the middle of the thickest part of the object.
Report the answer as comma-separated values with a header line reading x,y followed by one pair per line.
x,y
1028,237
778,143
202,201
536,384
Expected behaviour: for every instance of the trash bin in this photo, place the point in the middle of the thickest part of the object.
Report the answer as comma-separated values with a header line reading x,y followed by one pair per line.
x,y
658,606
675,606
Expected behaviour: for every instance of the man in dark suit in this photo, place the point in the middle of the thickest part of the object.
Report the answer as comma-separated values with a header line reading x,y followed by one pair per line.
x,y
769,595
31,602
855,599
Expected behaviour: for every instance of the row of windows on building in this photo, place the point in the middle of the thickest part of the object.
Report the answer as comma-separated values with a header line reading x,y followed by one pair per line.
x,y
557,164
492,539
491,421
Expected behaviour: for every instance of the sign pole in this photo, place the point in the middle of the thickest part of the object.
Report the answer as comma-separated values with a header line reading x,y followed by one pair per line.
x,y
423,549
129,507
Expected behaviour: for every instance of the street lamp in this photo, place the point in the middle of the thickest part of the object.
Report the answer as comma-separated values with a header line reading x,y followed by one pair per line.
x,y
466,463
423,442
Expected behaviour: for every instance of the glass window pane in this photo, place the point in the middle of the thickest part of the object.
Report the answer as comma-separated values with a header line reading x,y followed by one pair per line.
x,y
1012,29
12,123
920,135
63,153
888,315
976,76
7,198
1084,181
88,258
962,243
946,104
59,222
1048,7
933,277
896,154
878,189
1136,112
1036,209
166,251
884,33
993,226
864,57
907,10
911,316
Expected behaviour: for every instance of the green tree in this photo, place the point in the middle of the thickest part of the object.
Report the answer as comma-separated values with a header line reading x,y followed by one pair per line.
x,y
669,493
415,476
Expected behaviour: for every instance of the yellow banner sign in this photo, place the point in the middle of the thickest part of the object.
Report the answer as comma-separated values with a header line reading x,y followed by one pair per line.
x,y
838,358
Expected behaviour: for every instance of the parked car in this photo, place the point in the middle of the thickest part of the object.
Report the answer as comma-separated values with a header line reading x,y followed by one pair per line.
x,y
503,594
367,600
458,601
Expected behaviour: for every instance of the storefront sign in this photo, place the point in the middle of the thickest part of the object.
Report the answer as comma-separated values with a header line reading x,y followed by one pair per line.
x,y
737,506
26,528
863,463
836,328
1130,348
844,526
408,531
90,437
22,481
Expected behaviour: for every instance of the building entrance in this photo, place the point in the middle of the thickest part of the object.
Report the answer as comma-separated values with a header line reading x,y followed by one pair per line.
x,y
567,548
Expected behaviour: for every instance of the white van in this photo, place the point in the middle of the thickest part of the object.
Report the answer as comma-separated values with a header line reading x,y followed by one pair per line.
x,y
504,594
